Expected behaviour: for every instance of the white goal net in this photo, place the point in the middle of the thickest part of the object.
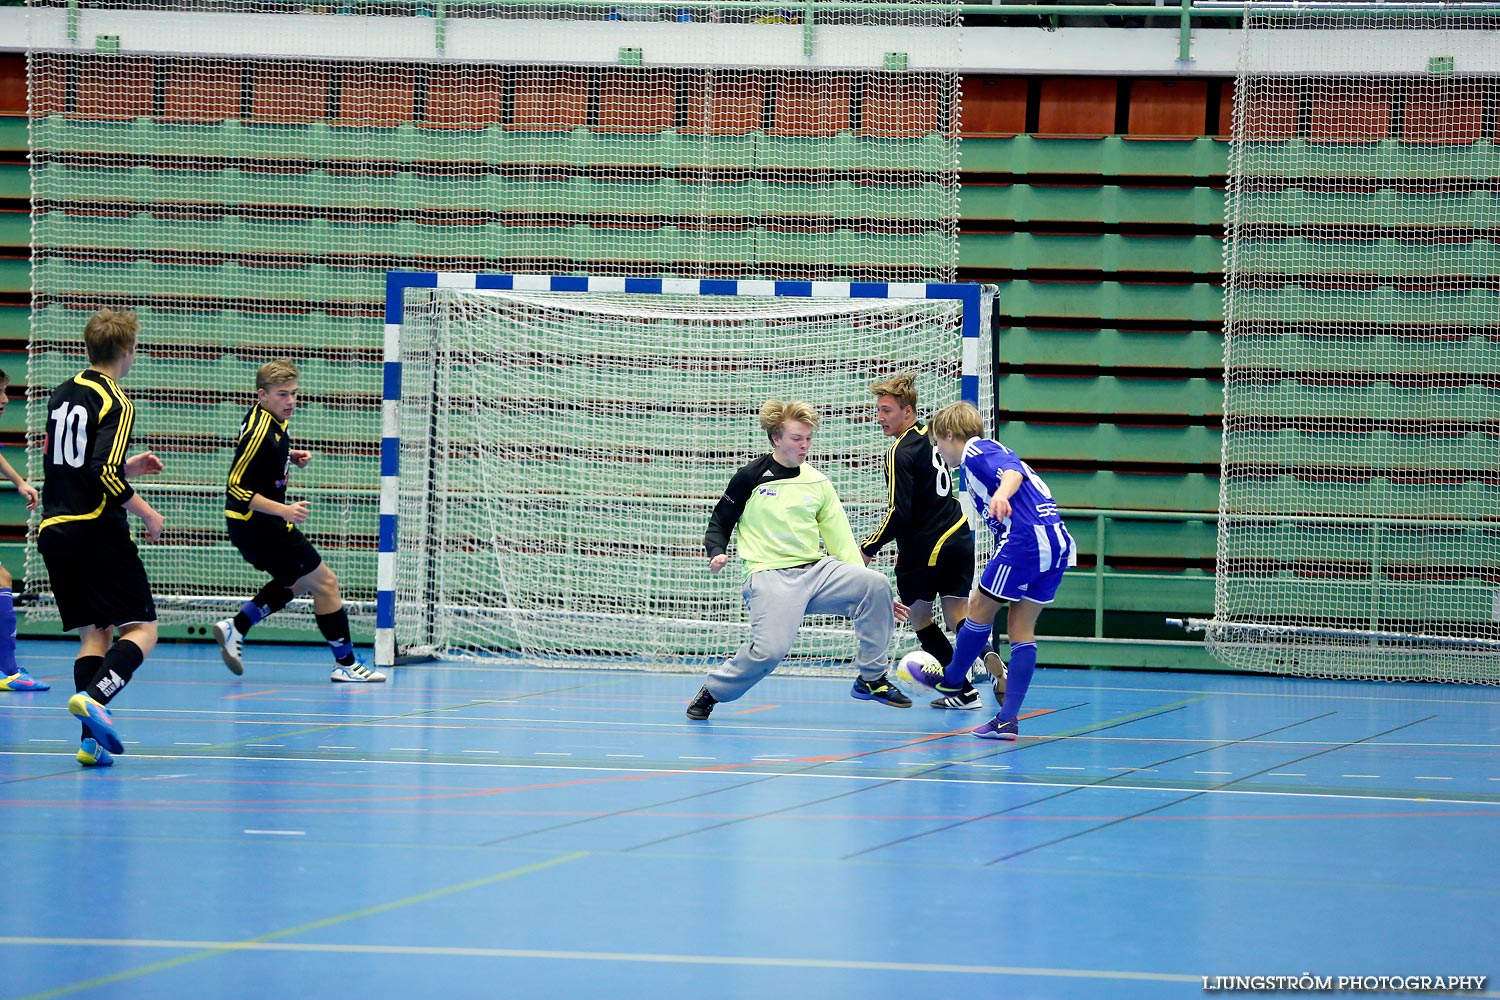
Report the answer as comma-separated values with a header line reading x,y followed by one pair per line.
x,y
560,454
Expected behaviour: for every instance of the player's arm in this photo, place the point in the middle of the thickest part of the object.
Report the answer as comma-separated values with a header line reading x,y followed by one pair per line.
x,y
898,484
296,513
833,528
153,521
725,516
22,486
300,457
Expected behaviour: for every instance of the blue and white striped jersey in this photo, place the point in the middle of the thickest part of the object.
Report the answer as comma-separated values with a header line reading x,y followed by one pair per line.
x,y
1034,522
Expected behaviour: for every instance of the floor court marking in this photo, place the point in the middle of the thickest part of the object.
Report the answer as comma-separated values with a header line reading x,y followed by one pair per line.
x,y
714,769
1189,798
1108,781
213,949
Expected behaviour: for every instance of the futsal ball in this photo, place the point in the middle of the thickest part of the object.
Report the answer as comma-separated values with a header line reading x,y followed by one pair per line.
x,y
921,668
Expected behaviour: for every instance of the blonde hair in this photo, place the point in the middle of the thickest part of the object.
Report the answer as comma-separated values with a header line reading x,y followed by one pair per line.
x,y
108,334
774,414
902,388
961,421
276,372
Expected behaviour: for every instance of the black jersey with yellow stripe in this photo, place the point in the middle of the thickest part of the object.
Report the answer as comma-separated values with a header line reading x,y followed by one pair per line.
x,y
261,463
922,513
89,421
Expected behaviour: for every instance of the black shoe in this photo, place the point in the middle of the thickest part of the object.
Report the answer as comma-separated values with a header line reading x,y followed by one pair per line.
x,y
965,698
880,689
700,707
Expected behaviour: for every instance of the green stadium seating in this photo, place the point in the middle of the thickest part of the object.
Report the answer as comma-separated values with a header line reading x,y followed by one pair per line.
x,y
1110,252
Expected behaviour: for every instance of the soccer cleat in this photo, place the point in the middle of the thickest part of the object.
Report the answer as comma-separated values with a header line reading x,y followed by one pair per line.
x,y
356,673
231,645
22,681
91,754
998,730
97,720
926,671
702,704
965,699
880,689
996,667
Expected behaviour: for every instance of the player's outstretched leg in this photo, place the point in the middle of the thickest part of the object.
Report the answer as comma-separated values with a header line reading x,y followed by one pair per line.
x,y
864,596
1022,629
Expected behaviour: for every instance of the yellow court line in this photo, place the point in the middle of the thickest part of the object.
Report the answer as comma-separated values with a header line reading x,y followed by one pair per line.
x,y
213,949
761,961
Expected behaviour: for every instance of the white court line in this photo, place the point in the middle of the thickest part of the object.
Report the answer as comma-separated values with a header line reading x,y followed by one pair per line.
x,y
322,747
1287,774
1213,772
411,749
278,833
1431,777
482,751
389,722
248,745
1359,776
697,758
192,744
49,741
1060,767
942,776
551,753
633,756
454,951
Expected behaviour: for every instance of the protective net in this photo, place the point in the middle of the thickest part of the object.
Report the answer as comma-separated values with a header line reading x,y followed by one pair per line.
x,y
244,172
561,454
1360,510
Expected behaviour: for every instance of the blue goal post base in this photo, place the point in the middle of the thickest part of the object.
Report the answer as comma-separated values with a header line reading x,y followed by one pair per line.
x,y
397,282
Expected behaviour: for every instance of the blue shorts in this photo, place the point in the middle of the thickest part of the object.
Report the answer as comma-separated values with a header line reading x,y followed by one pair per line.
x,y
1007,578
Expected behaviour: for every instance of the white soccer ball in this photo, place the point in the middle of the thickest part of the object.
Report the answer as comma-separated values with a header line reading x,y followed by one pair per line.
x,y
921,668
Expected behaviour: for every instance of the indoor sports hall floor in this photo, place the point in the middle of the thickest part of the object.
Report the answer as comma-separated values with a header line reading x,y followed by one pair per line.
x,y
513,833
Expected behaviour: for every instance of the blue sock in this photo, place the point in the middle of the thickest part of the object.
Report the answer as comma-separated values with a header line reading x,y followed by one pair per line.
x,y
973,638
1018,678
7,631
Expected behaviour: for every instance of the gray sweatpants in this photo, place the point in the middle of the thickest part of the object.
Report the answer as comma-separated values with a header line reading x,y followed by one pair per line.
x,y
778,598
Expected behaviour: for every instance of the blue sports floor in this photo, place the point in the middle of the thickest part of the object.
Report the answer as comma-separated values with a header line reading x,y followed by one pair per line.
x,y
513,833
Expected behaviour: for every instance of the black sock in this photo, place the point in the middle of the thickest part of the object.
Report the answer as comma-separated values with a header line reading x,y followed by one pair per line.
x,y
270,599
85,669
119,664
935,642
335,628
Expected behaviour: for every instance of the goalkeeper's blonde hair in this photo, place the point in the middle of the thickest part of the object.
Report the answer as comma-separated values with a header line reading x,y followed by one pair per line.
x,y
774,414
961,421
901,387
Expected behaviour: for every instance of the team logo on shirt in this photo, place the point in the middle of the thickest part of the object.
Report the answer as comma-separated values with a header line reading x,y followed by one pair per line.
x,y
765,491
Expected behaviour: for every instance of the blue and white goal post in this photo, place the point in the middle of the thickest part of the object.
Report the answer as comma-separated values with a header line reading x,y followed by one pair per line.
x,y
820,339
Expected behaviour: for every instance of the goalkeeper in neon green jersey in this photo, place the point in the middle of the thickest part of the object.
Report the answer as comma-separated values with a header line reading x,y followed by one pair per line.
x,y
786,513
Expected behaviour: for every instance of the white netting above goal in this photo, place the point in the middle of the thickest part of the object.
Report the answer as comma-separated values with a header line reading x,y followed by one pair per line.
x,y
561,454
244,173
1359,534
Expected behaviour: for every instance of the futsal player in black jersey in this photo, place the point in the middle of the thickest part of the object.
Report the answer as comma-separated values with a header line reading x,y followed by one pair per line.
x,y
96,574
263,527
934,546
